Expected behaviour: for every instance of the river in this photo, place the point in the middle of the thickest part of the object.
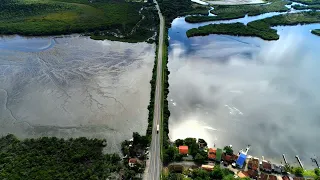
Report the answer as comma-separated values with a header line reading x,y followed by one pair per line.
x,y
244,90
73,86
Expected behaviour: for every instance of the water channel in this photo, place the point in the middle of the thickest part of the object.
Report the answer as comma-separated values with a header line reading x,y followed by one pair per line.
x,y
244,90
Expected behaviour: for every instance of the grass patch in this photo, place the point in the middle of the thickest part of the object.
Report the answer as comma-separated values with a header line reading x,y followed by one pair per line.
x,y
106,18
226,12
316,32
259,28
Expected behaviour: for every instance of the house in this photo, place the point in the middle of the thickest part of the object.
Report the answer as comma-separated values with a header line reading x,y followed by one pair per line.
x,y
253,164
266,167
287,178
183,149
241,159
219,154
234,157
207,167
227,159
272,177
212,153
253,174
298,178
263,176
243,174
132,162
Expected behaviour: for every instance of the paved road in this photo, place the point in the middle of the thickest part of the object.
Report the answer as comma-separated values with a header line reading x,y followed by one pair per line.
x,y
155,165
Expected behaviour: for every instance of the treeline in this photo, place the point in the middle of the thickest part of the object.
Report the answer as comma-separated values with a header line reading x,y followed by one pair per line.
x,y
166,111
308,2
259,28
176,172
235,29
116,20
53,158
226,12
313,7
153,82
286,19
172,9
14,9
198,19
316,32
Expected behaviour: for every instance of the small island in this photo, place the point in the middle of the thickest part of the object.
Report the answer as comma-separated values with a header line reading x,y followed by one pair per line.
x,y
316,32
259,28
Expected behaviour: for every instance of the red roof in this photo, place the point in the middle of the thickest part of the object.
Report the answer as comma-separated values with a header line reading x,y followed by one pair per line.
x,y
253,164
133,160
263,176
285,178
183,149
298,178
266,165
212,153
235,157
252,173
272,177
227,158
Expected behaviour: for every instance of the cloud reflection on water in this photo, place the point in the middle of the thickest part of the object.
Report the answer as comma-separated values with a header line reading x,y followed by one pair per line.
x,y
241,90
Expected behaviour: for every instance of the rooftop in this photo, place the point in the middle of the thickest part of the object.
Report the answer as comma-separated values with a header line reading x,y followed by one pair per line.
x,y
241,159
218,154
266,165
183,149
243,174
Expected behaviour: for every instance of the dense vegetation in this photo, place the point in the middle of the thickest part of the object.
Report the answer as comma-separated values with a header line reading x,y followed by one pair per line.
x,y
172,154
286,19
200,174
53,158
107,18
260,28
225,12
235,29
308,2
166,111
316,32
172,9
313,7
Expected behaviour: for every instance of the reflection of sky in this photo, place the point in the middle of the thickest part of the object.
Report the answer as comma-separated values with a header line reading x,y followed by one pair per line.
x,y
19,43
243,90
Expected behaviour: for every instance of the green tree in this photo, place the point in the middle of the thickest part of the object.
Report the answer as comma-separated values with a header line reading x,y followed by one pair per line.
x,y
192,145
179,142
228,150
199,158
169,154
202,141
175,176
298,171
216,173
200,174
317,171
